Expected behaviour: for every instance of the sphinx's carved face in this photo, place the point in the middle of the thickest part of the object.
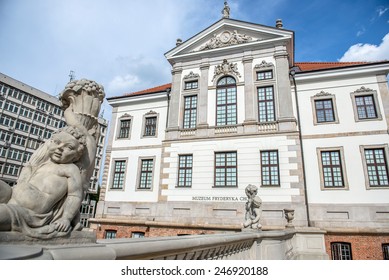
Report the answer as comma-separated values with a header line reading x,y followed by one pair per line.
x,y
65,148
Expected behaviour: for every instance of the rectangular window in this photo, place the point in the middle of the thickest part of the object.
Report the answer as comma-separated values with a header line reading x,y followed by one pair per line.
x,y
226,169
324,110
377,170
124,131
365,107
385,251
190,111
150,126
332,169
191,85
226,106
341,251
118,175
265,75
146,174
270,168
185,171
137,234
110,234
266,109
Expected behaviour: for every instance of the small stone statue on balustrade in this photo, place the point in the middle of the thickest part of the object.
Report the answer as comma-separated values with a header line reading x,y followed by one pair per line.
x,y
46,199
253,208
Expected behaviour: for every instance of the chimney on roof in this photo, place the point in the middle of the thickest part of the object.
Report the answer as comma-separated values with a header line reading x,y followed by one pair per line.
x,y
178,42
279,23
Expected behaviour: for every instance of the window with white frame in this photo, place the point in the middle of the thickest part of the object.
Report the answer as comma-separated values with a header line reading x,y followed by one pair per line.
x,y
137,234
341,251
110,234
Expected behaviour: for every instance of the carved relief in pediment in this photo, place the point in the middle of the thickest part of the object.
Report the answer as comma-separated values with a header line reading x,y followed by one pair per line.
x,y
225,39
226,68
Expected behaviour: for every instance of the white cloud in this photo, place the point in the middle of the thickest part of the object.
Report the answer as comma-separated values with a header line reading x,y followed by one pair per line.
x,y
123,83
381,11
368,52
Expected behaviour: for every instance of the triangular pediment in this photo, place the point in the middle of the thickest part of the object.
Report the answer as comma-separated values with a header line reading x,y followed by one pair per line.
x,y
229,34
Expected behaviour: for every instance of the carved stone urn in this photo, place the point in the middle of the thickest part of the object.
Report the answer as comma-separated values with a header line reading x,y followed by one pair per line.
x,y
289,216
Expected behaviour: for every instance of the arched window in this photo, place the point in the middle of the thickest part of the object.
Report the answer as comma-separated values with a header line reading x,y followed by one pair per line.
x,y
226,101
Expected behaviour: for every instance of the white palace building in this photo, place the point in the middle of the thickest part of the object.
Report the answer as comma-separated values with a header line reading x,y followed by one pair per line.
x,y
239,110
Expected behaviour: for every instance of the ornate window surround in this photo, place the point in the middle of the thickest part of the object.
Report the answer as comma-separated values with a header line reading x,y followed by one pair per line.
x,y
343,166
226,69
361,92
112,173
362,148
138,174
124,118
191,77
324,96
149,114
265,66
262,67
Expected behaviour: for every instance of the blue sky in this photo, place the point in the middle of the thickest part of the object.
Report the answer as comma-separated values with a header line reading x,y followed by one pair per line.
x,y
121,43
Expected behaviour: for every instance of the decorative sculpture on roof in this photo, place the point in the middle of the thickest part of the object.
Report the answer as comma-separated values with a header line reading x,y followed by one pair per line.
x,y
253,208
226,68
226,10
46,200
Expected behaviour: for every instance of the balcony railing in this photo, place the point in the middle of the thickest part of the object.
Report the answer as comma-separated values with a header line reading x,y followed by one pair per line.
x,y
226,129
267,127
304,244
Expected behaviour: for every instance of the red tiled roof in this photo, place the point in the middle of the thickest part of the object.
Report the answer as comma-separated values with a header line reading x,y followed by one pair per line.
x,y
150,90
311,66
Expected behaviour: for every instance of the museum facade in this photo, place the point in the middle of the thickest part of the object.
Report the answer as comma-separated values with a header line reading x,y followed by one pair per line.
x,y
313,137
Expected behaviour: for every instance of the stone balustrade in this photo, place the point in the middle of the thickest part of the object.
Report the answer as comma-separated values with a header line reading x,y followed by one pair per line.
x,y
305,243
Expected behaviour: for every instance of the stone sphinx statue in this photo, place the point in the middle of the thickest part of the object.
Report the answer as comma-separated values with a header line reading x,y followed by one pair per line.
x,y
253,208
46,199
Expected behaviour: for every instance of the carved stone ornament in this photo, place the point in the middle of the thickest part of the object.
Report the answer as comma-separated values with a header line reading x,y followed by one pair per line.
x,y
226,68
192,75
322,93
225,39
363,89
126,116
264,64
151,112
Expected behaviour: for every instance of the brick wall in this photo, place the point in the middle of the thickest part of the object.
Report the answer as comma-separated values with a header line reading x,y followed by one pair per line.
x,y
126,231
363,247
